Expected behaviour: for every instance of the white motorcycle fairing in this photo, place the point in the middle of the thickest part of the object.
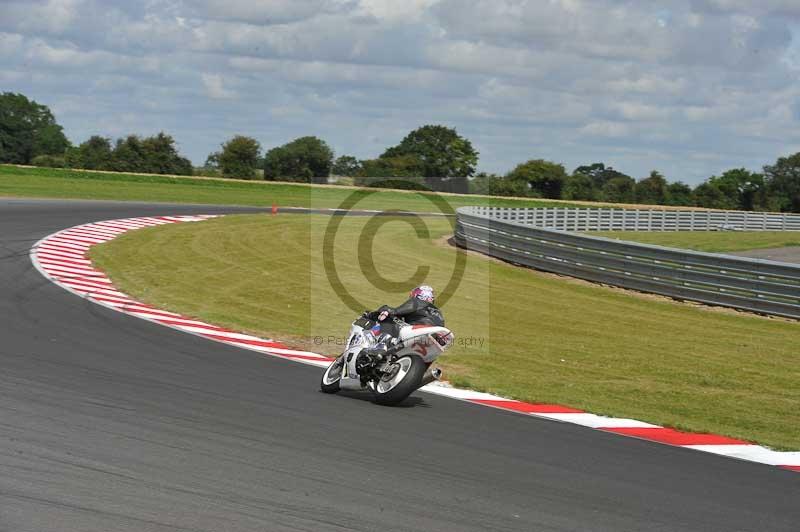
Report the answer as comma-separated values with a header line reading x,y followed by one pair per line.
x,y
424,341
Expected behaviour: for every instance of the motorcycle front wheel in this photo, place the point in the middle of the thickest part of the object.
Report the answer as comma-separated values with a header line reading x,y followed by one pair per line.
x,y
400,382
332,376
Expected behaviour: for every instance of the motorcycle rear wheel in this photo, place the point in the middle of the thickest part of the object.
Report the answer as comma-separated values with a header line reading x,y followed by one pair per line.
x,y
393,388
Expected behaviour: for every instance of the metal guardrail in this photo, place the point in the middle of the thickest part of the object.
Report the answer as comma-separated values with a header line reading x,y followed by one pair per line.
x,y
579,219
754,285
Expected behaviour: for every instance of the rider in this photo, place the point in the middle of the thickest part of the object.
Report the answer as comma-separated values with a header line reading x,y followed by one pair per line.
x,y
418,309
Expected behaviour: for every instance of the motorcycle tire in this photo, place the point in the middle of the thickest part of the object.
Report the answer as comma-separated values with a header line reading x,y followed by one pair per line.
x,y
399,385
330,383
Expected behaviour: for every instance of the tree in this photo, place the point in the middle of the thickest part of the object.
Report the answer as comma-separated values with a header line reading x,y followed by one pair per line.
x,y
734,189
346,165
495,185
238,157
652,190
619,190
441,151
403,171
93,154
212,161
128,155
679,194
400,166
28,129
752,192
306,159
599,173
48,161
482,183
161,156
782,181
151,155
539,178
580,186
709,195
741,188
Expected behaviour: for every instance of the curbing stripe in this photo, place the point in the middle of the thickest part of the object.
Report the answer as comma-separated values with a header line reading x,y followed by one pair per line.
x,y
47,257
527,408
63,259
674,437
597,422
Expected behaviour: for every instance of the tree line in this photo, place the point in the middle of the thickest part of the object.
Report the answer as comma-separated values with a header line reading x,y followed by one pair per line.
x,y
776,188
431,157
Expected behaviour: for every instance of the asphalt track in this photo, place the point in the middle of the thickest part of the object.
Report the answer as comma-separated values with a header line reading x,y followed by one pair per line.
x,y
788,254
108,422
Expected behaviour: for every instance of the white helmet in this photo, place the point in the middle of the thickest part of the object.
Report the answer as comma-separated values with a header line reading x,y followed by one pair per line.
x,y
424,293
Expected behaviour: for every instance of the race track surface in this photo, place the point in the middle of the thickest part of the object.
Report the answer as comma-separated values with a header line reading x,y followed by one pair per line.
x,y
788,254
108,422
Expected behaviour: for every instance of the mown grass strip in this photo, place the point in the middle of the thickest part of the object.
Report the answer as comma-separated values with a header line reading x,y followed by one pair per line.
x,y
710,241
521,334
60,183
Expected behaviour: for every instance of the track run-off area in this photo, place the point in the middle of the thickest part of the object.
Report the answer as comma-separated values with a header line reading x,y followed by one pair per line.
x,y
114,423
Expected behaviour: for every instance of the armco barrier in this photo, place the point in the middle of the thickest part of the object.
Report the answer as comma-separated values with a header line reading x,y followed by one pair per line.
x,y
578,219
749,284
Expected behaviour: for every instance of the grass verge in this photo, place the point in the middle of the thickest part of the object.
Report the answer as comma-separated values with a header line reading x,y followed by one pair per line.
x,y
711,241
60,183
521,334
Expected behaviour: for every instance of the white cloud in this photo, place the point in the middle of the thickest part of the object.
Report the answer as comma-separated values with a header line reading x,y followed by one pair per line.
x,y
606,129
10,43
633,84
761,7
392,10
265,12
215,87
637,111
51,16
647,83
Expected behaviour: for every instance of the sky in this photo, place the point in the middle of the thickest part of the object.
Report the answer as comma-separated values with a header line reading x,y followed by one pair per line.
x,y
688,87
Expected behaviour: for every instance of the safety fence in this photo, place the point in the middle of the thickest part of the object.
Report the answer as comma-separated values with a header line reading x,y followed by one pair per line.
x,y
578,219
748,284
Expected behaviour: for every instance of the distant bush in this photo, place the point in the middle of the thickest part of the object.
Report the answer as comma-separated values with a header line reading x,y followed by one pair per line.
x,y
48,161
238,159
306,159
205,171
438,151
401,166
539,178
93,154
344,181
346,165
403,183
27,130
149,155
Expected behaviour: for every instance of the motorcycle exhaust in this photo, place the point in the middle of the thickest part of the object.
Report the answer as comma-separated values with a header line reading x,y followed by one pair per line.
x,y
433,374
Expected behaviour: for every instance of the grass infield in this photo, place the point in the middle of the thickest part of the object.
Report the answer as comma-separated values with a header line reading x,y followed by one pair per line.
x,y
711,241
521,334
59,183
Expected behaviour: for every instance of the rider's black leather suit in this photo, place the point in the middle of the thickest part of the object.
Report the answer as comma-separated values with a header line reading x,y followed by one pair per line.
x,y
414,312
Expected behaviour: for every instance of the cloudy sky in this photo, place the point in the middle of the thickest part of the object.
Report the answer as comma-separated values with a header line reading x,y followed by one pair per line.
x,y
689,87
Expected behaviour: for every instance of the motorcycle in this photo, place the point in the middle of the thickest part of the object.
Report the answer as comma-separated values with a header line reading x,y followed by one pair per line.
x,y
391,366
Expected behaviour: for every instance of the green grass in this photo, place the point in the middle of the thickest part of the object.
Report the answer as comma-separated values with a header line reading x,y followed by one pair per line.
x,y
544,338
711,241
59,183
